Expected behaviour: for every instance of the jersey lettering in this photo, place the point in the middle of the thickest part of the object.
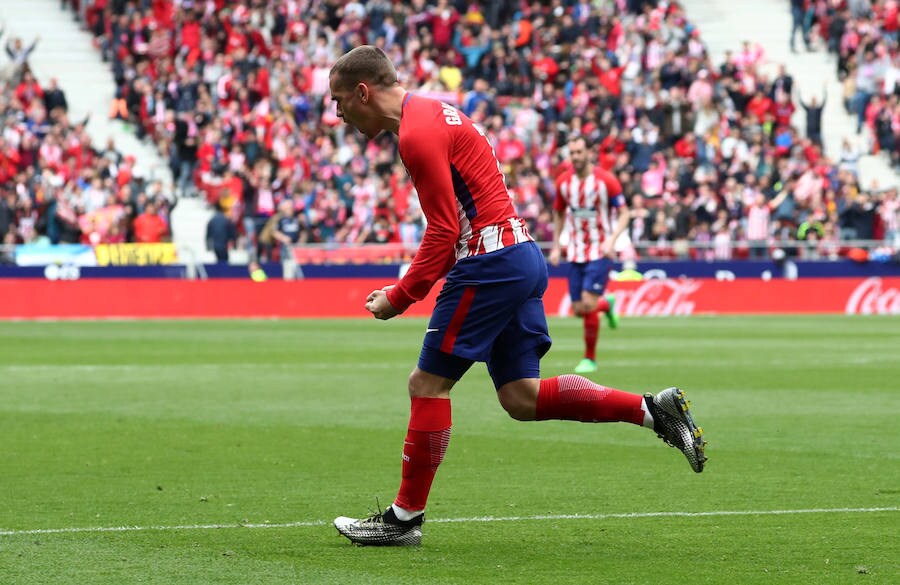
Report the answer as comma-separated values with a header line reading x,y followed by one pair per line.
x,y
451,116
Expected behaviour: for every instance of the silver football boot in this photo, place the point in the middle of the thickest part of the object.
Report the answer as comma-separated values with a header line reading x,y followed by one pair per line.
x,y
673,423
381,529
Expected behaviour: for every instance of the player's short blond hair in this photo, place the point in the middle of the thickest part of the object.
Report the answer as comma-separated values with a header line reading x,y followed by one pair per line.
x,y
364,64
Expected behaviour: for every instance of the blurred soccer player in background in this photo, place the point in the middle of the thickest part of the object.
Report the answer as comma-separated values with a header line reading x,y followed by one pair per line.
x,y
490,308
586,195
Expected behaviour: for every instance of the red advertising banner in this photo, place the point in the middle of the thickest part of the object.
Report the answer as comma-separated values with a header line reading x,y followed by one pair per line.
x,y
745,296
345,297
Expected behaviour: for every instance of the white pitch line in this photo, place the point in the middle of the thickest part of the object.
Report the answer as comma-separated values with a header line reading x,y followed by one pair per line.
x,y
89,529
176,527
668,514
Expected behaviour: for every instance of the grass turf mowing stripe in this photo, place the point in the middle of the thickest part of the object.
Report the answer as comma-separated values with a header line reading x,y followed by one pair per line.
x,y
305,524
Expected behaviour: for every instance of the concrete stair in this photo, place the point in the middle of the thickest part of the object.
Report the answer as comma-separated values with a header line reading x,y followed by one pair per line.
x,y
725,25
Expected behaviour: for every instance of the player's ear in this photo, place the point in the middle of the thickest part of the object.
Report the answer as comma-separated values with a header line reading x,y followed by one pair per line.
x,y
362,91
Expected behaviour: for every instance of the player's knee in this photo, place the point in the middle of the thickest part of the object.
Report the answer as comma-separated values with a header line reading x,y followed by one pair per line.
x,y
416,383
519,412
517,404
425,385
519,409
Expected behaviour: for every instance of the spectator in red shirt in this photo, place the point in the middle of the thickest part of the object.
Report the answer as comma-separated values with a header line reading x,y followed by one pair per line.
x,y
509,148
443,19
759,106
891,19
237,37
149,227
29,89
783,109
545,67
609,77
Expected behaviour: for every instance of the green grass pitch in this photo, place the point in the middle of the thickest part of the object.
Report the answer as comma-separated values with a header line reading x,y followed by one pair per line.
x,y
186,430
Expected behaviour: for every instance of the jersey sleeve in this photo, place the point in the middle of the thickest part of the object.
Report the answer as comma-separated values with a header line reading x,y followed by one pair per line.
x,y
559,200
426,155
613,189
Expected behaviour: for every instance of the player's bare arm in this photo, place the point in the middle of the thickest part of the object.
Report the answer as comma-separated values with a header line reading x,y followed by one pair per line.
x,y
555,253
624,217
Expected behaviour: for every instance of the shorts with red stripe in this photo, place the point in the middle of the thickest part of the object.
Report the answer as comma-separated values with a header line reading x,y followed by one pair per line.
x,y
490,310
590,277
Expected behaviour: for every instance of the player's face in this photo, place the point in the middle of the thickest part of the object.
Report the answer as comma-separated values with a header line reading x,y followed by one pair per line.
x,y
351,109
578,155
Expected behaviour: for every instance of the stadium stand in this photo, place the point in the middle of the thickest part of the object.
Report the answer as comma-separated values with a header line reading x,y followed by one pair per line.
x,y
234,96
66,175
863,38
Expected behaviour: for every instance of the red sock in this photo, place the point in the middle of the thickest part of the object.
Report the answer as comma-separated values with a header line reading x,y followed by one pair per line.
x,y
591,332
424,448
572,397
602,304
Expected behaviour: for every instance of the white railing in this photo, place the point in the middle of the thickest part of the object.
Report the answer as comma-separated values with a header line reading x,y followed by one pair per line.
x,y
662,251
822,250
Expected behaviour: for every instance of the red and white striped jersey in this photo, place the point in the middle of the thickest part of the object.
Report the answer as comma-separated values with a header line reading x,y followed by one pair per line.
x,y
758,222
587,204
890,215
462,192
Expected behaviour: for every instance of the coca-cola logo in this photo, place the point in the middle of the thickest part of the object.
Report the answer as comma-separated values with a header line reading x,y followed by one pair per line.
x,y
655,297
659,298
869,298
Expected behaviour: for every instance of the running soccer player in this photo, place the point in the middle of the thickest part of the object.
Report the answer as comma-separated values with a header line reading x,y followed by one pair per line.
x,y
490,308
585,198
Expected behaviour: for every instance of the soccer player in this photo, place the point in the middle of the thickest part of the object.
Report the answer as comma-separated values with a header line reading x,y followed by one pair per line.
x,y
585,198
490,308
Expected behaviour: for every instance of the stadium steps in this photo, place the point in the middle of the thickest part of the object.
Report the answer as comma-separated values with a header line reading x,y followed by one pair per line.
x,y
725,25
66,52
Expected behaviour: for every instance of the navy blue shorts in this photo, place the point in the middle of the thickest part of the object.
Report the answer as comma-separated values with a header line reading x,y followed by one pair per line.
x,y
589,276
490,310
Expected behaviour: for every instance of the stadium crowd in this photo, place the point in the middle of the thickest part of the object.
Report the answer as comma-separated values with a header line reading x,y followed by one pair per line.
x,y
55,185
235,95
862,36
